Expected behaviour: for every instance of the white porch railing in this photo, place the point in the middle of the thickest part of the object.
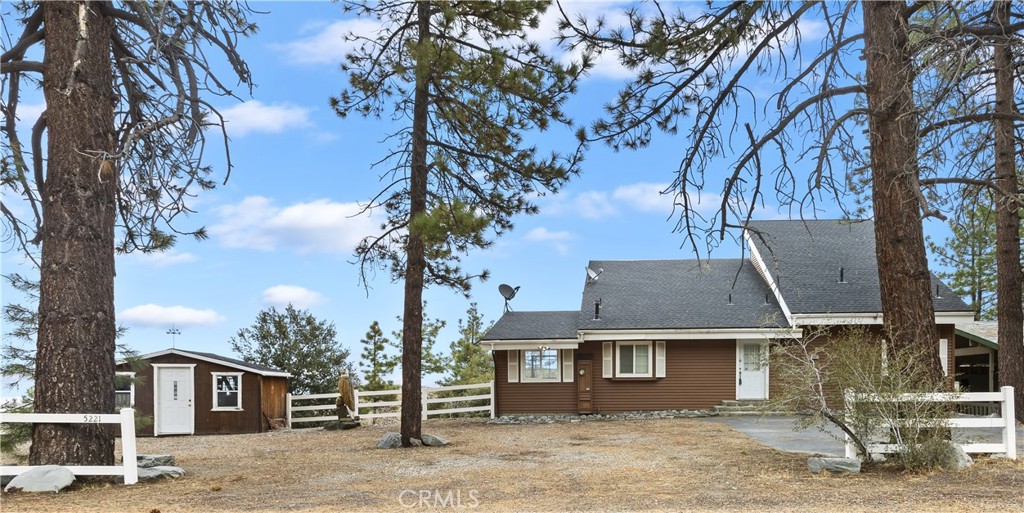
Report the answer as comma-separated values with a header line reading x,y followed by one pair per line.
x,y
126,418
365,402
1006,421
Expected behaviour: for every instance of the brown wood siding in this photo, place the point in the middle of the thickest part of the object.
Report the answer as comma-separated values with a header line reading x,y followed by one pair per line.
x,y
255,394
698,375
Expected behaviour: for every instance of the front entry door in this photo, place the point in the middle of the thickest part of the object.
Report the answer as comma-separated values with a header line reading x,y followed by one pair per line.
x,y
175,401
584,382
751,374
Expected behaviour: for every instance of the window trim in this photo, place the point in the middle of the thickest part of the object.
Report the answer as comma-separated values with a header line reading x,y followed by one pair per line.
x,y
131,389
523,378
650,359
216,406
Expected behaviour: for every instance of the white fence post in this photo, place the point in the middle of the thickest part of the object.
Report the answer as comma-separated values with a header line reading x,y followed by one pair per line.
x,y
492,399
1010,429
850,447
129,455
288,409
355,400
423,397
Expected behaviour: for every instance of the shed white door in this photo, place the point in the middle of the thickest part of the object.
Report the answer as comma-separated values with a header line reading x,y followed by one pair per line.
x,y
175,394
751,374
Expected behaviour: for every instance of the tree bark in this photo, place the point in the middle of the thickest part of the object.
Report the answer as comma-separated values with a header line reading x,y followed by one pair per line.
x,y
75,345
1008,269
903,276
412,320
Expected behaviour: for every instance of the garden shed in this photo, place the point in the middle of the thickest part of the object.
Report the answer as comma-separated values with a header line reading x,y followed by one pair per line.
x,y
192,392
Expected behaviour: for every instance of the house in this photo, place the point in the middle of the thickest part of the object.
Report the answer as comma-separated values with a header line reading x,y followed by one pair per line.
x,y
977,356
191,392
689,334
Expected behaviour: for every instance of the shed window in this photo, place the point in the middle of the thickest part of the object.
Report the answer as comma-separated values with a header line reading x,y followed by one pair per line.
x,y
634,360
227,390
124,390
540,365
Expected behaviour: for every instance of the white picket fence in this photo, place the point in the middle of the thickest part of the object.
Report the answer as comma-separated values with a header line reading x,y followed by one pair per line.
x,y
126,418
1007,422
373,408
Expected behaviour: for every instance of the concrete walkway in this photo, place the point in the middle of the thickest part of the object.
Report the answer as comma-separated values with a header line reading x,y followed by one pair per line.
x,y
779,432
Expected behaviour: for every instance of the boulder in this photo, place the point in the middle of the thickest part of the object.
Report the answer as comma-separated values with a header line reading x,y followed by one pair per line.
x,y
44,478
160,472
341,425
390,441
839,465
154,460
952,457
433,441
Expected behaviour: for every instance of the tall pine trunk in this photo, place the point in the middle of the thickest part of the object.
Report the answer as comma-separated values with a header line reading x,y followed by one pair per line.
x,y
1008,270
412,320
75,346
902,263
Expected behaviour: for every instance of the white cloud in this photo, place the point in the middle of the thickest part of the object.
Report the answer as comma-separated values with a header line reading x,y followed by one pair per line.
x,y
320,226
644,197
255,116
557,239
164,258
157,315
328,44
299,297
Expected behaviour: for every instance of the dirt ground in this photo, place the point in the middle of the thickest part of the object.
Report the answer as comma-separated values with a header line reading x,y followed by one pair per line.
x,y
653,465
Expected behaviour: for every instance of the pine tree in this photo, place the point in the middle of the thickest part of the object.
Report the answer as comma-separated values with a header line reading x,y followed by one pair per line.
x,y
465,85
970,252
470,363
374,362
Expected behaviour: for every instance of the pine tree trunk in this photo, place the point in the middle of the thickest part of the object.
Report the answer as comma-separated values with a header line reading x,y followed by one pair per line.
x,y
75,346
412,320
903,275
1008,270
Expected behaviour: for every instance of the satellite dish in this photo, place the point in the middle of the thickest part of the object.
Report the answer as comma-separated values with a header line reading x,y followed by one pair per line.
x,y
508,293
592,275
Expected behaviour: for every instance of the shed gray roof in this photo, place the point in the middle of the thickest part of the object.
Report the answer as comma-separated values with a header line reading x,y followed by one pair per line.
x,y
534,326
216,358
678,294
805,257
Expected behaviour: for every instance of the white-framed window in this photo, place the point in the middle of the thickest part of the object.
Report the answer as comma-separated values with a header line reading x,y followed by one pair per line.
x,y
541,365
633,360
124,390
227,390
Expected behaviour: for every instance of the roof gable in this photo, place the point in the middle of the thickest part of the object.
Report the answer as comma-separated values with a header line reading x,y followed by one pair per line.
x,y
829,266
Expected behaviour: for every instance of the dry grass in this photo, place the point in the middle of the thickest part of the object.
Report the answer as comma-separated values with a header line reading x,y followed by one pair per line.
x,y
587,466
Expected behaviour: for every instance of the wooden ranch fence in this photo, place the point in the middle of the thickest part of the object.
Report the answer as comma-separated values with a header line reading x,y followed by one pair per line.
x,y
126,418
1006,421
387,403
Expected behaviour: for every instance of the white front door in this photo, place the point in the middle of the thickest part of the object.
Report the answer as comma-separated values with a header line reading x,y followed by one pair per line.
x,y
174,401
751,372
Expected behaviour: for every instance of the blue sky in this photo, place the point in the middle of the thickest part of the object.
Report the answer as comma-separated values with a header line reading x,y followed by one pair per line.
x,y
283,228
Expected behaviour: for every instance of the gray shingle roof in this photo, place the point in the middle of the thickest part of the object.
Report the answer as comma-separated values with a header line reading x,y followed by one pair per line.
x,y
240,363
678,294
534,326
805,257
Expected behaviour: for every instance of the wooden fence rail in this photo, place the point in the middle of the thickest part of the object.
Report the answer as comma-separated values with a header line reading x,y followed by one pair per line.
x,y
389,407
126,418
1006,421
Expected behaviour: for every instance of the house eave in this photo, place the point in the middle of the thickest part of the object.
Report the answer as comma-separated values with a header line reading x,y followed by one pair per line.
x,y
531,344
691,334
826,319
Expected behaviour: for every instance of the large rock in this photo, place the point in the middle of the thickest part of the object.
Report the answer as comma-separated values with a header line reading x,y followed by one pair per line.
x,y
390,441
155,460
953,457
44,478
433,441
160,472
839,465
